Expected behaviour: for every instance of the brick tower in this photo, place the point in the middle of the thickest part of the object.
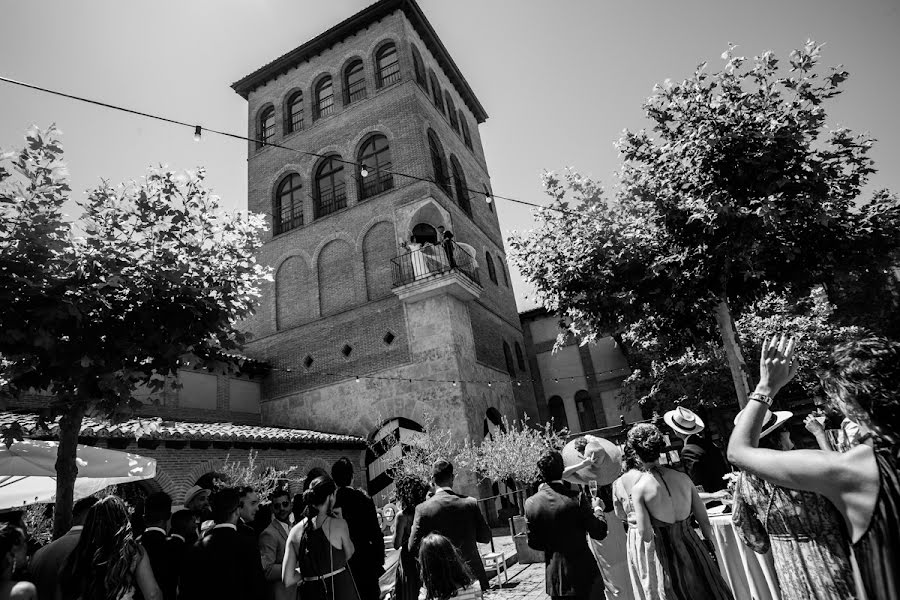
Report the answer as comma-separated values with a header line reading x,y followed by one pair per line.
x,y
352,297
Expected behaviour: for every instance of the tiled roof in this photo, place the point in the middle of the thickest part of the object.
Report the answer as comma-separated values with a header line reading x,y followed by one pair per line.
x,y
158,429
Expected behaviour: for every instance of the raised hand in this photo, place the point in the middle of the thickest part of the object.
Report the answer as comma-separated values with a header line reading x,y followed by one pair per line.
x,y
778,363
813,425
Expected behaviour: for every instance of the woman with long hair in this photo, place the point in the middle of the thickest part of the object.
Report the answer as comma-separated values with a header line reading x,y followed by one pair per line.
x,y
645,572
665,501
12,556
803,529
318,548
863,382
444,572
411,491
108,563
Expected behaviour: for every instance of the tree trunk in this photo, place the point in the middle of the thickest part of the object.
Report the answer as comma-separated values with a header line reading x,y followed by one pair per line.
x,y
733,353
66,470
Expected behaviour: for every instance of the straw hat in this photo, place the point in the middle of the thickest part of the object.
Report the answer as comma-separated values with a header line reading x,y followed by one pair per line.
x,y
607,464
772,421
684,421
193,492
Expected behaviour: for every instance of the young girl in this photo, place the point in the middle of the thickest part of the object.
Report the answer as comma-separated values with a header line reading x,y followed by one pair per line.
x,y
444,573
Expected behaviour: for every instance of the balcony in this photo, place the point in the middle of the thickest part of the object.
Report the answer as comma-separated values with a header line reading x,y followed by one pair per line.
x,y
436,268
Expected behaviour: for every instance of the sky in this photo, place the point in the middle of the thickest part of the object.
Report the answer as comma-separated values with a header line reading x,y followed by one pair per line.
x,y
559,79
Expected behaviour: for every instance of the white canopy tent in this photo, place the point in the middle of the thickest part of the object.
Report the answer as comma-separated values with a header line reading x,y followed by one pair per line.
x,y
28,471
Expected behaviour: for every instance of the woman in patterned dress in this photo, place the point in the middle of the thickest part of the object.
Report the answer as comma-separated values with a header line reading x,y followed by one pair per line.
x,y
863,382
805,532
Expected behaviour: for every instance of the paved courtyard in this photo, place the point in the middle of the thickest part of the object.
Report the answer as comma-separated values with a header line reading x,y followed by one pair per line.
x,y
526,582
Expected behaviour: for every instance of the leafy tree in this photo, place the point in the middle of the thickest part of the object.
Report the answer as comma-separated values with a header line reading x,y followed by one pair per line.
x,y
152,274
263,480
417,458
742,191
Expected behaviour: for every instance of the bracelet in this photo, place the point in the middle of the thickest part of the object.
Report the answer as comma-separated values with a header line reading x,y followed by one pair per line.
x,y
759,397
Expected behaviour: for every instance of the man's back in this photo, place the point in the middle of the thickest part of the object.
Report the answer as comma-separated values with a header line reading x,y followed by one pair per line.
x,y
47,562
224,565
154,542
704,464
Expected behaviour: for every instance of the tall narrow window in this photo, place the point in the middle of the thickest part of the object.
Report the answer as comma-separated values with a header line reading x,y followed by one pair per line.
x,y
324,99
375,158
288,209
451,111
354,82
295,112
266,127
387,66
503,272
467,139
488,198
585,407
419,68
558,413
462,189
520,358
331,191
507,354
436,94
437,162
492,273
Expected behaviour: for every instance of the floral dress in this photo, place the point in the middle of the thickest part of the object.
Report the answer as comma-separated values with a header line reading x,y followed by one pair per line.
x,y
806,534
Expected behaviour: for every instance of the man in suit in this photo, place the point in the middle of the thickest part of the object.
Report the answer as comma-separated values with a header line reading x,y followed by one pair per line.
x,y
271,544
249,508
447,242
224,564
46,563
182,535
558,521
454,516
157,512
358,509
702,460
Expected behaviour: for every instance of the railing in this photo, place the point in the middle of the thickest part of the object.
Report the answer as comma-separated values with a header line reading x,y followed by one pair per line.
x,y
376,183
433,260
390,75
330,201
356,91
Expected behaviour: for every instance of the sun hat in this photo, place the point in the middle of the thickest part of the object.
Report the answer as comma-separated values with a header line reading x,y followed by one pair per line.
x,y
772,421
607,464
684,421
193,492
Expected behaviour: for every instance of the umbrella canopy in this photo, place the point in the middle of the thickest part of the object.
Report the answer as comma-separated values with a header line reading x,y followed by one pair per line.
x,y
28,471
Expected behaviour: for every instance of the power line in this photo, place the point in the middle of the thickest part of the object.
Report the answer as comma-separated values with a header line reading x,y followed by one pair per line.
x,y
198,129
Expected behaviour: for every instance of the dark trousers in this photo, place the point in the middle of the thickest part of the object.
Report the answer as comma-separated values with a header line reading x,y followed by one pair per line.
x,y
448,250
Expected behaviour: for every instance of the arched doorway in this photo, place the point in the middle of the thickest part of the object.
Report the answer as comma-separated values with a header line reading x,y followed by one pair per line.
x,y
386,446
425,234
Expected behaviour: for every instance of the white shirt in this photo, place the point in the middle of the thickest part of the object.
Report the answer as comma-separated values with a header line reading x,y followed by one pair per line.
x,y
224,525
285,526
159,529
180,537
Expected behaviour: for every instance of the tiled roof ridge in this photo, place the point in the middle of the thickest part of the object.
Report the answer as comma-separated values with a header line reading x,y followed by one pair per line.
x,y
157,428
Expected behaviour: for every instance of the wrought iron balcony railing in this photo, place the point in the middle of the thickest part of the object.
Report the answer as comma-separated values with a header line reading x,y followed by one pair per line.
x,y
433,260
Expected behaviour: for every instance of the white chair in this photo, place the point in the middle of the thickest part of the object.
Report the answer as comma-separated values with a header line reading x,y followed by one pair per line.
x,y
496,561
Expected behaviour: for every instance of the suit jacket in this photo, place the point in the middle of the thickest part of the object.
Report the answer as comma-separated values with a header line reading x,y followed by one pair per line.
x,y
224,565
154,542
704,464
177,549
47,562
457,518
558,521
367,562
272,541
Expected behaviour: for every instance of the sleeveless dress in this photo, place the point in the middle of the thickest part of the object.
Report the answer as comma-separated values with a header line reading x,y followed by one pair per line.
x,y
878,550
326,575
806,534
690,570
648,580
407,582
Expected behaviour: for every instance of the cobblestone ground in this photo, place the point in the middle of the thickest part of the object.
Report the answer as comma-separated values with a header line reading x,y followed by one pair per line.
x,y
526,582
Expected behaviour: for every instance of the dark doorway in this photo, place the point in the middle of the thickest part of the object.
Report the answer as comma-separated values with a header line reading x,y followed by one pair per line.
x,y
425,234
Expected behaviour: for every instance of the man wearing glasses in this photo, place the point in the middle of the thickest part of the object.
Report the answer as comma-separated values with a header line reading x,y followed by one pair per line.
x,y
272,541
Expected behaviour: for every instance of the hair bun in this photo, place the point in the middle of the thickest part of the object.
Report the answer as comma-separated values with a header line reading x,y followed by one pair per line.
x,y
309,496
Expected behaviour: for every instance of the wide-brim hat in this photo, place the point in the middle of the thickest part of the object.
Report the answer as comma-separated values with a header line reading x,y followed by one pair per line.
x,y
193,492
684,421
605,470
773,420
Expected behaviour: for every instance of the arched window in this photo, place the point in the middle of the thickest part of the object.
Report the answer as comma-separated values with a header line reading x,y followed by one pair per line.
x,y
437,162
488,198
585,407
294,118
419,68
266,127
375,158
467,139
387,68
330,192
520,358
558,413
288,209
490,267
451,111
354,82
425,234
436,94
507,354
503,272
324,99
462,189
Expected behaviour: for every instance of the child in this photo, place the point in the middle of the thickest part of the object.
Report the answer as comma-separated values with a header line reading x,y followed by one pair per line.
x,y
444,573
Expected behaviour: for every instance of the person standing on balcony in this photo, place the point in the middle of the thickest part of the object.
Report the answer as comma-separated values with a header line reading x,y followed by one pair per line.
x,y
447,237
